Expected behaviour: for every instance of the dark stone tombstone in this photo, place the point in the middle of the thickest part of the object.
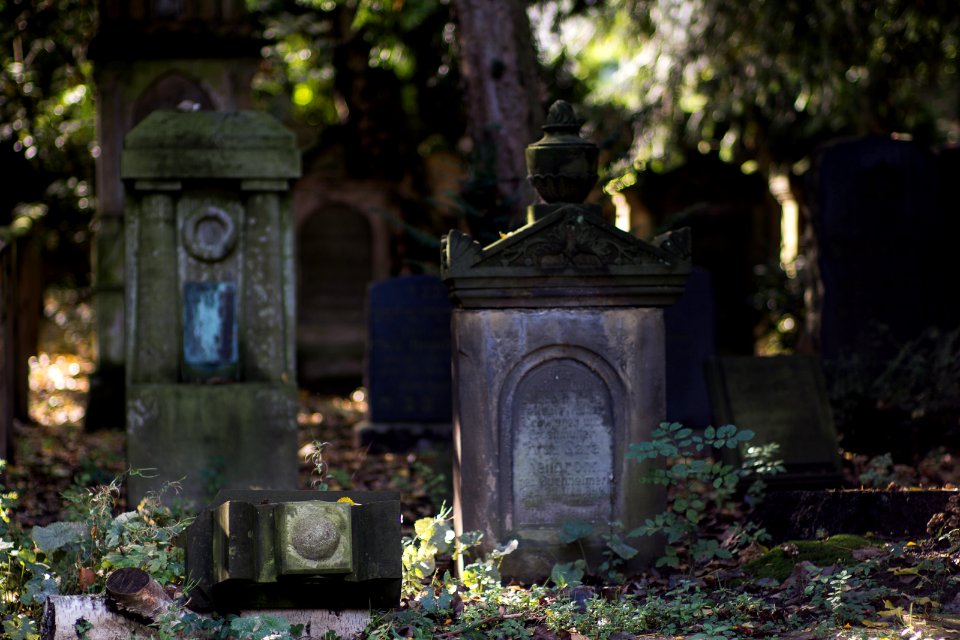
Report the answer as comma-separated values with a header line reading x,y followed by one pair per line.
x,y
783,400
689,329
408,363
882,234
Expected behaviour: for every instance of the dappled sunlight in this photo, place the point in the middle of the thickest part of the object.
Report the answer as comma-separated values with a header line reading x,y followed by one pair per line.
x,y
59,373
58,388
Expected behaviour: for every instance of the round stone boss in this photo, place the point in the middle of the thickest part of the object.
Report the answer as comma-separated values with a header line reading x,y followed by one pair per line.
x,y
314,538
209,234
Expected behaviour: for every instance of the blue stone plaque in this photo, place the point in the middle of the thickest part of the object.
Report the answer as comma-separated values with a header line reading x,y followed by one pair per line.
x,y
210,330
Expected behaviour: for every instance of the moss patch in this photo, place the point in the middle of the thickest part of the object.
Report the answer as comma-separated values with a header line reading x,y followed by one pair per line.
x,y
778,564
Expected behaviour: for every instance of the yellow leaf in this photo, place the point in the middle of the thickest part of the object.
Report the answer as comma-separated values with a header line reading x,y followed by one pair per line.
x,y
912,544
874,625
905,571
349,501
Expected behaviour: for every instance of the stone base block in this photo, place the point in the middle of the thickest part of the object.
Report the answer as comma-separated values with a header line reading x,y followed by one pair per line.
x,y
208,437
347,624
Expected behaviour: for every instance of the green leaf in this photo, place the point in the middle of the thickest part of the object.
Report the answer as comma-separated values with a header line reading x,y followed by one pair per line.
x,y
622,549
726,431
56,535
745,435
569,574
571,531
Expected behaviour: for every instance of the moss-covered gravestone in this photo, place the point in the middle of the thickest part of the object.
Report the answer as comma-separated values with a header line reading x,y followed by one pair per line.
x,y
558,365
211,395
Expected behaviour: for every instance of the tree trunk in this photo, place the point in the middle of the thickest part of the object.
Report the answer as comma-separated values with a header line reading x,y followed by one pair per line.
x,y
504,111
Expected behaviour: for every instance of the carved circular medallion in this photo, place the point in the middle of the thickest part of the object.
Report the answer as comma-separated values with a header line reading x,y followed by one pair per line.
x,y
314,538
209,234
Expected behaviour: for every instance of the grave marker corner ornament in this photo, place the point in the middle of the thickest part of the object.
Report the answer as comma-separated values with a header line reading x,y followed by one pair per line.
x,y
558,362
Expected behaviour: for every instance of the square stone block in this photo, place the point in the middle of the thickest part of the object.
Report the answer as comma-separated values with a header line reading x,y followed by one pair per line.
x,y
314,538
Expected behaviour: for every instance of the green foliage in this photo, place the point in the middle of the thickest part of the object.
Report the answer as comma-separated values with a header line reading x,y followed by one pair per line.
x,y
75,556
320,467
25,579
699,485
47,124
144,538
434,537
616,551
762,82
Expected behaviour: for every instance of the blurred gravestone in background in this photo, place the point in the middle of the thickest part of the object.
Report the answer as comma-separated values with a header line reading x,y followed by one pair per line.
x,y
689,331
408,363
783,400
884,240
151,55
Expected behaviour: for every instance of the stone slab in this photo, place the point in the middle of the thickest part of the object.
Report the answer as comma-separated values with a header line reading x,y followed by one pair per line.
x,y
209,144
782,400
347,624
549,400
211,436
805,515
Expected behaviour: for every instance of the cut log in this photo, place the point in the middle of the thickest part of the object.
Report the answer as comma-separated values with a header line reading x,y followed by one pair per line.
x,y
70,617
133,601
133,590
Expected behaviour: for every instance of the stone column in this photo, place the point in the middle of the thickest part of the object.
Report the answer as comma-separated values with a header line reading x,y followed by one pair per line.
x,y
558,364
157,357
263,326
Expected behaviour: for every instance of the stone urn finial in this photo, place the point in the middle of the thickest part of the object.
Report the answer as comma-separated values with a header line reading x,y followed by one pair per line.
x,y
562,166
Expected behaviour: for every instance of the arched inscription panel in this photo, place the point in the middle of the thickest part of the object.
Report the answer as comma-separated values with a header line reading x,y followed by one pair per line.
x,y
562,421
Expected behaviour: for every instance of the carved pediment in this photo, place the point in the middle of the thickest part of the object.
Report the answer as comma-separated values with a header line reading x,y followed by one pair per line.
x,y
569,252
570,240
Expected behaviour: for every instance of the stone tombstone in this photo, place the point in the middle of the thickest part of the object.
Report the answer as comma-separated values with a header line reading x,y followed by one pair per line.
x,y
558,365
408,362
211,392
783,400
883,235
690,343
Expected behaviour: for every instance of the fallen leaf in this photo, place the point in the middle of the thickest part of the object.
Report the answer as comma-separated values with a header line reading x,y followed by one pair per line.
x,y
86,578
867,553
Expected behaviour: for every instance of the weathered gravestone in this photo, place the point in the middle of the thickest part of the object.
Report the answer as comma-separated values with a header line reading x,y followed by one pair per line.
x,y
211,396
883,236
783,400
408,363
558,365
